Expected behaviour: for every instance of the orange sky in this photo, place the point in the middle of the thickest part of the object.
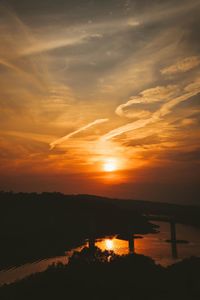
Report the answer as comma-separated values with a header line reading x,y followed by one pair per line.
x,y
87,84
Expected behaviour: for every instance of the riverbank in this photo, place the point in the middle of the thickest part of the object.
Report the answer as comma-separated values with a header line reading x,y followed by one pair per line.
x,y
105,275
36,226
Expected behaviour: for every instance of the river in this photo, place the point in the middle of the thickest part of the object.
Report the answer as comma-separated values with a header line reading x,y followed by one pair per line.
x,y
153,245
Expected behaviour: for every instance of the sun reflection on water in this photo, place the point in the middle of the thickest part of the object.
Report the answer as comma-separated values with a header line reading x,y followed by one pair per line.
x,y
109,244
120,247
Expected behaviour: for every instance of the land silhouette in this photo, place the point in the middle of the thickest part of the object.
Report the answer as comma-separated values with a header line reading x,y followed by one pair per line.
x,y
38,226
35,226
96,274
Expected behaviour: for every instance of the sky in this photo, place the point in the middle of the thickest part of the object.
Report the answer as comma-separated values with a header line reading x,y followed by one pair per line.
x,y
101,97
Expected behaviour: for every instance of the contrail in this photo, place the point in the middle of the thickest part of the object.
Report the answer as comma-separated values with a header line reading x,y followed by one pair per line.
x,y
10,66
163,111
64,138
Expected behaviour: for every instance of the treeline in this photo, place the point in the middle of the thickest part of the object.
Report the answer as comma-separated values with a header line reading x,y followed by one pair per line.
x,y
90,205
34,213
95,275
43,225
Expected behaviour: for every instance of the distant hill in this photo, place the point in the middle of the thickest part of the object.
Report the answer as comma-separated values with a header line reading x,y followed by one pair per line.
x,y
186,214
35,226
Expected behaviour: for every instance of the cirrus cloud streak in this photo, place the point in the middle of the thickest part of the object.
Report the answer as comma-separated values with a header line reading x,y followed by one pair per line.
x,y
66,137
191,90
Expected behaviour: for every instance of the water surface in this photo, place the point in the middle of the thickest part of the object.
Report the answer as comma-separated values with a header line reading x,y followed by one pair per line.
x,y
153,245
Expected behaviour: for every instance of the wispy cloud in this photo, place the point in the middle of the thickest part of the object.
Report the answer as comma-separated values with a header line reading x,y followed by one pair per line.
x,y
148,96
69,36
93,56
66,137
9,65
42,46
182,66
28,136
191,90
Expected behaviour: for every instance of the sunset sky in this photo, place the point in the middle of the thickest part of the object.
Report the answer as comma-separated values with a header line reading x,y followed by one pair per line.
x,y
101,97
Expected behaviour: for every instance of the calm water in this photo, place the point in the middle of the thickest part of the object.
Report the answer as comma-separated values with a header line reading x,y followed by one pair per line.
x,y
153,245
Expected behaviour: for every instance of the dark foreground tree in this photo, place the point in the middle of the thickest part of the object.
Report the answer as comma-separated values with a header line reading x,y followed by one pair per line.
x,y
93,274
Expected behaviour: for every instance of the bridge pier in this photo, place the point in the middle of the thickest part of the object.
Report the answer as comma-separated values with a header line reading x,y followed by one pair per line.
x,y
174,250
92,233
131,244
173,230
172,224
173,239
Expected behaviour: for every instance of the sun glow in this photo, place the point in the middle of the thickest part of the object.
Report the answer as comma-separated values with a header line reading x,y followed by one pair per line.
x,y
110,166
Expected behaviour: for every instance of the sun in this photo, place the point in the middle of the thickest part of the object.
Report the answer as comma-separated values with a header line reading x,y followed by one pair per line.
x,y
110,165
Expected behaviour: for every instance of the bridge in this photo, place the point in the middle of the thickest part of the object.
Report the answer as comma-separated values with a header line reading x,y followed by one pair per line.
x,y
173,241
152,218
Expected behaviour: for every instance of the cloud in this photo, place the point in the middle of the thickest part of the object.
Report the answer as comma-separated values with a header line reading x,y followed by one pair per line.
x,y
182,66
193,86
177,155
53,43
66,137
42,138
47,40
191,90
9,65
189,122
150,139
148,96
93,55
